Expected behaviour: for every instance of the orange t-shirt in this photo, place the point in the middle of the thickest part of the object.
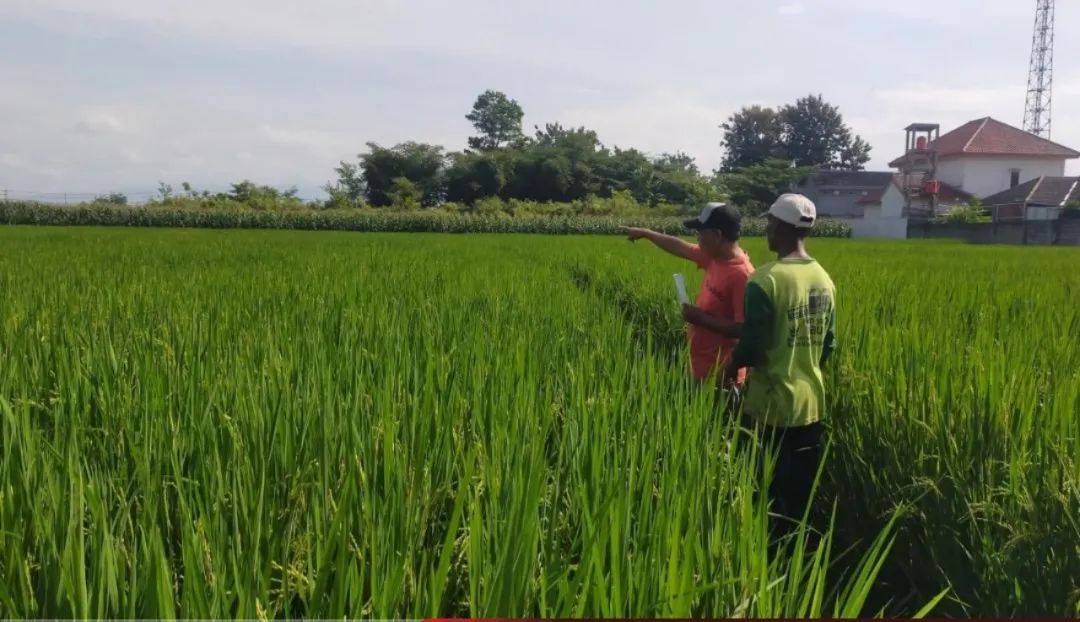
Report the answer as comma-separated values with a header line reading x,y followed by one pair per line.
x,y
721,295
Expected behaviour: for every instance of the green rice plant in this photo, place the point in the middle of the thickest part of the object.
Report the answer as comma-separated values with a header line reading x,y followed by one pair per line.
x,y
278,423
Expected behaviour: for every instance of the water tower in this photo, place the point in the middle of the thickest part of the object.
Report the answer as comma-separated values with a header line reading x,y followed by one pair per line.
x,y
918,168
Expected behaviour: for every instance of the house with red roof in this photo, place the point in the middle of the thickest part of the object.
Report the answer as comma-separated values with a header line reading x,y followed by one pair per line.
x,y
985,156
983,159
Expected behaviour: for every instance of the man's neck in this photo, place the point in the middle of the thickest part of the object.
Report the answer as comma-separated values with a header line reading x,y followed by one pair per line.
x,y
795,250
729,253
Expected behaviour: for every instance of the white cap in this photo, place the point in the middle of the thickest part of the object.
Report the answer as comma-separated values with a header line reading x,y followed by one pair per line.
x,y
794,209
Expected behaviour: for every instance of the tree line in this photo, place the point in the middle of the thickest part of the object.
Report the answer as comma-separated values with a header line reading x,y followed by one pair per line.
x,y
765,151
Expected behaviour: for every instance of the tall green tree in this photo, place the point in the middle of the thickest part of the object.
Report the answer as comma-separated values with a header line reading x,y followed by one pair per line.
x,y
814,134
624,169
349,188
473,176
677,161
559,164
754,188
752,136
810,132
676,180
420,163
497,118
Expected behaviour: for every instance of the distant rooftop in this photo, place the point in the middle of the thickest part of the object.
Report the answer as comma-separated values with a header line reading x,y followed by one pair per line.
x,y
989,136
1045,191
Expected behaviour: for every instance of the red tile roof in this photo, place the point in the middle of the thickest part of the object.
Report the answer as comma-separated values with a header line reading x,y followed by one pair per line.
x,y
989,136
873,197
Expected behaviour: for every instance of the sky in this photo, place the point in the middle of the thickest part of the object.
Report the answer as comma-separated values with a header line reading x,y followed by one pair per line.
x,y
119,95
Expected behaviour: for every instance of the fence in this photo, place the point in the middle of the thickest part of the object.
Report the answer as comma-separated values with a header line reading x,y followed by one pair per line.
x,y
1064,231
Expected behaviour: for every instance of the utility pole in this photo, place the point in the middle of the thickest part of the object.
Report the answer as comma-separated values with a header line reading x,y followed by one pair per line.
x,y
1038,107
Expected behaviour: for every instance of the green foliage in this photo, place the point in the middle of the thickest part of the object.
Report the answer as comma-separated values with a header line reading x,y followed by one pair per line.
x,y
973,212
754,188
566,165
349,189
752,136
271,425
814,134
405,195
471,177
420,163
490,215
557,164
676,179
260,197
811,132
498,120
113,198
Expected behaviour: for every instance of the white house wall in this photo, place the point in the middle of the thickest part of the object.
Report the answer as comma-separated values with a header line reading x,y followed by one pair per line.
x,y
892,203
952,172
884,221
984,176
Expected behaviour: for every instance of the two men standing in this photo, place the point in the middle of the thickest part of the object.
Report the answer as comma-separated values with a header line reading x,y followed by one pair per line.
x,y
778,321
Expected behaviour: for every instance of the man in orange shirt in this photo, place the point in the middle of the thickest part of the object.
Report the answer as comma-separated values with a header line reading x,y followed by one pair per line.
x,y
717,316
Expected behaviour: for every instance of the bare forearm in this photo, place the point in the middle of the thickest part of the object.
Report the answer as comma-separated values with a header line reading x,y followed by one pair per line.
x,y
719,325
671,244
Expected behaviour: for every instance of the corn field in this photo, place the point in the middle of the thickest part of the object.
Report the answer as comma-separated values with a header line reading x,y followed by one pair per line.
x,y
268,424
383,220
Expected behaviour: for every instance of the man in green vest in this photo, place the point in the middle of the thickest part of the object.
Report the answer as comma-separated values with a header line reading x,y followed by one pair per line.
x,y
787,335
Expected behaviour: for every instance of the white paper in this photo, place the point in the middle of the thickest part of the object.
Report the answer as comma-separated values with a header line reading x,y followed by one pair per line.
x,y
680,288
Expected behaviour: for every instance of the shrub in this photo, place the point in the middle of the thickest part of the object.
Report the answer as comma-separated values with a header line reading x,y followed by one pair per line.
x,y
971,213
113,198
405,195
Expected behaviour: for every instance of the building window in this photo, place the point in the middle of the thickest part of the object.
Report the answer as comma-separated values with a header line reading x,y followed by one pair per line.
x,y
1014,178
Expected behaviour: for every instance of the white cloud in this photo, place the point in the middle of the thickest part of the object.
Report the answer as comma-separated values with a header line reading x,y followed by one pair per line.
x,y
662,120
100,121
331,26
646,75
791,9
946,99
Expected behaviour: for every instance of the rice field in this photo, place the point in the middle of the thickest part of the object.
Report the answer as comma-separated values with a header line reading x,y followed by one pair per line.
x,y
266,424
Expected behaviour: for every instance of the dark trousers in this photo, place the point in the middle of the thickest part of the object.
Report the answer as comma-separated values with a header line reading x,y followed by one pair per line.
x,y
798,457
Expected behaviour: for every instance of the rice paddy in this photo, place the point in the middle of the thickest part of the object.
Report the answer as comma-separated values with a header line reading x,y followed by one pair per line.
x,y
210,424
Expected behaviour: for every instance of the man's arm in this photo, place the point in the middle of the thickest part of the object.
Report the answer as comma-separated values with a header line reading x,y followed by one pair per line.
x,y
755,332
669,243
828,346
719,325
